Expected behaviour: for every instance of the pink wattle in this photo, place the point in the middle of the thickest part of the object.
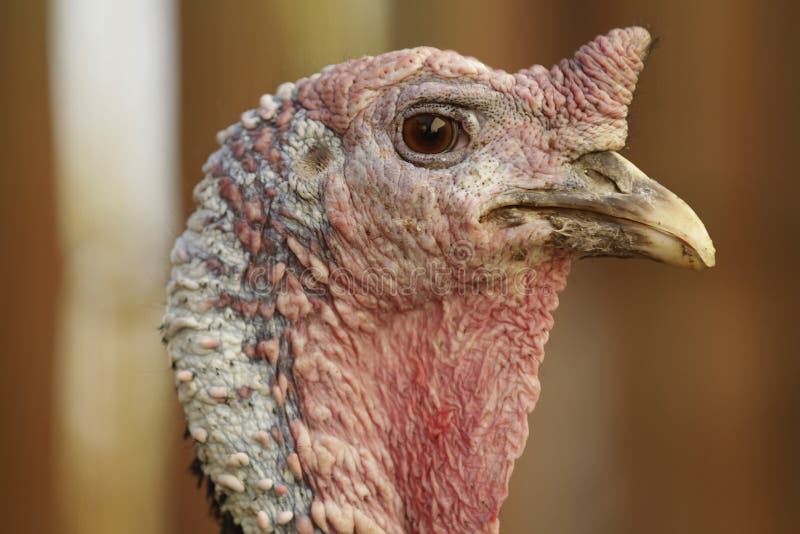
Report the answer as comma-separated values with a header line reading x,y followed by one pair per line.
x,y
412,421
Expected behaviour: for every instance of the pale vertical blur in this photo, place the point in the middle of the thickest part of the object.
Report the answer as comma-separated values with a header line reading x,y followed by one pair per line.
x,y
113,95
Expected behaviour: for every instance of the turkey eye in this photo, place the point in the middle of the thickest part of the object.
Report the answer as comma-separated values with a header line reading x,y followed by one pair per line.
x,y
428,133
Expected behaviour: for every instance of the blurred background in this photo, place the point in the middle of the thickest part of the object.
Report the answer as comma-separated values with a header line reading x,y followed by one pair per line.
x,y
670,400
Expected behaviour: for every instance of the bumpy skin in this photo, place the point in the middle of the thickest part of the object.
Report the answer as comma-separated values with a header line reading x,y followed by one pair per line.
x,y
355,344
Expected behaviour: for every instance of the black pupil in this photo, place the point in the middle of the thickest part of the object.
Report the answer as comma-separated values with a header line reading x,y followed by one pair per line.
x,y
428,133
430,128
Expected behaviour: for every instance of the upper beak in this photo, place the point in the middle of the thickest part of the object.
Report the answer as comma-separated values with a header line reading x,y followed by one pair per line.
x,y
608,207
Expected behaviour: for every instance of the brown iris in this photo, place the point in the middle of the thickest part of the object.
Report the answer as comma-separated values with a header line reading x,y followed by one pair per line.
x,y
428,133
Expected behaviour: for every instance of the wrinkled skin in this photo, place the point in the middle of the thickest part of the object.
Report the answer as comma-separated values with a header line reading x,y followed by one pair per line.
x,y
356,327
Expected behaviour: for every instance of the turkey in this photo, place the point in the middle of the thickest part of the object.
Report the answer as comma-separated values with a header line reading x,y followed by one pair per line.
x,y
358,306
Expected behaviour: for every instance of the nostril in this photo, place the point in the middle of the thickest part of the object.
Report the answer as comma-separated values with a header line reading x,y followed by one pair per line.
x,y
599,182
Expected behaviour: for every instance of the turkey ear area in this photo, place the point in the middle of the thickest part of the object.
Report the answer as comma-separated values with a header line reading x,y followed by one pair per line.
x,y
318,157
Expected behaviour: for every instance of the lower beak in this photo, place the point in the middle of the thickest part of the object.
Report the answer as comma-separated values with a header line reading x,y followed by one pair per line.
x,y
608,207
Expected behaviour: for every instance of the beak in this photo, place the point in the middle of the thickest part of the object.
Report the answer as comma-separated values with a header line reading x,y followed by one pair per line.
x,y
608,207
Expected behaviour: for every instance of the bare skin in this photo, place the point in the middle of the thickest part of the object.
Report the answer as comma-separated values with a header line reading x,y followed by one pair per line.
x,y
360,303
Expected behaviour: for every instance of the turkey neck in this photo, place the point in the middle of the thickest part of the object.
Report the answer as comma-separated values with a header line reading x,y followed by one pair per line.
x,y
412,420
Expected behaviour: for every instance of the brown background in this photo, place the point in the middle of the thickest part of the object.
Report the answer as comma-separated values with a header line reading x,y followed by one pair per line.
x,y
670,397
